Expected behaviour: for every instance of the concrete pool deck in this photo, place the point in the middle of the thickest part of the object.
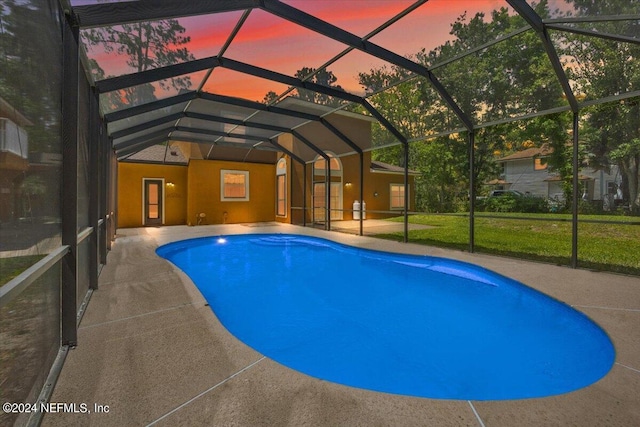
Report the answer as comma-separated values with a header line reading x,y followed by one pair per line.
x,y
153,352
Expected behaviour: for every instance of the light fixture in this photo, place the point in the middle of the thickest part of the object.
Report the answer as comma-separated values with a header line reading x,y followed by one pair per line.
x,y
170,184
347,184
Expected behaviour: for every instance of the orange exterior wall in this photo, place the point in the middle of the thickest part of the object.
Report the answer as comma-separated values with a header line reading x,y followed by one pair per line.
x,y
197,190
374,182
379,183
130,201
204,193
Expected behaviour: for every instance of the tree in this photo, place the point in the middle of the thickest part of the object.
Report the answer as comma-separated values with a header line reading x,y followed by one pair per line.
x,y
510,78
442,182
554,131
146,45
322,77
612,135
602,68
270,97
33,187
411,105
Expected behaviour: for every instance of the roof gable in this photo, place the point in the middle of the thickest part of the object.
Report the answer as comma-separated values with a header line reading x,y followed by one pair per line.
x,y
159,154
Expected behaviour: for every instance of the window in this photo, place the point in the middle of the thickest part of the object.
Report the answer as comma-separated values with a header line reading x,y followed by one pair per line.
x,y
335,166
397,196
539,164
281,188
234,185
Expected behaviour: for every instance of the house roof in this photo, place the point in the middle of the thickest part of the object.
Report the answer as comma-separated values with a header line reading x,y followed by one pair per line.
x,y
8,111
529,153
159,154
497,182
381,167
321,110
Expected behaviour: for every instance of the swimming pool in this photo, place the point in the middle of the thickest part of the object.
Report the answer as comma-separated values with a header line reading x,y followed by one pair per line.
x,y
403,324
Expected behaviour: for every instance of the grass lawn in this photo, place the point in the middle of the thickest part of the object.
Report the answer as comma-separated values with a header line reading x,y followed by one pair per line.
x,y
11,267
610,247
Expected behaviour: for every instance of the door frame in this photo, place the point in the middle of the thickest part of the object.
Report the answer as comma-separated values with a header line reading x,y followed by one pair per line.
x,y
144,200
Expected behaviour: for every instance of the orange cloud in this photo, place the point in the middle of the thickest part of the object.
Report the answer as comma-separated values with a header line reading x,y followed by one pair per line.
x,y
209,33
232,83
358,17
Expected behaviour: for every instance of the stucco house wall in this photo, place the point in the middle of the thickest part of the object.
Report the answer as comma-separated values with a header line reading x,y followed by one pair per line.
x,y
204,193
130,192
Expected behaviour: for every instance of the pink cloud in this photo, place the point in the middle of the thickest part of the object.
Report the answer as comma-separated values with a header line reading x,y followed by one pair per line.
x,y
274,43
232,83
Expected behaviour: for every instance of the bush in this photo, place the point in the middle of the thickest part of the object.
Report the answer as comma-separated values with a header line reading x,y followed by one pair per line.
x,y
460,205
506,203
514,203
533,204
591,207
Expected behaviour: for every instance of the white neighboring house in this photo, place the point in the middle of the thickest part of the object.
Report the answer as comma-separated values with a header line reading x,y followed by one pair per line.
x,y
528,172
14,157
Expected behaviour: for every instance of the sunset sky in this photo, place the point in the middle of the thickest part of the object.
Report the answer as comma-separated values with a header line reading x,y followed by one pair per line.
x,y
271,42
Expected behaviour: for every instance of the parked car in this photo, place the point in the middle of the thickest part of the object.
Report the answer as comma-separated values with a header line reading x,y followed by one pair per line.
x,y
500,193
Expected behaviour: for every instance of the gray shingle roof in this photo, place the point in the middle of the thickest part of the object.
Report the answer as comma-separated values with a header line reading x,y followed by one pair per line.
x,y
377,166
159,154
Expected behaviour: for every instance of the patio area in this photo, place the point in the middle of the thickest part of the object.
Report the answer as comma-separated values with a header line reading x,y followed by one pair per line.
x,y
151,352
374,226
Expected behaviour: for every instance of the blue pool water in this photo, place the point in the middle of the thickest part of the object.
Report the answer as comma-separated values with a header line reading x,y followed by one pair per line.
x,y
411,325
